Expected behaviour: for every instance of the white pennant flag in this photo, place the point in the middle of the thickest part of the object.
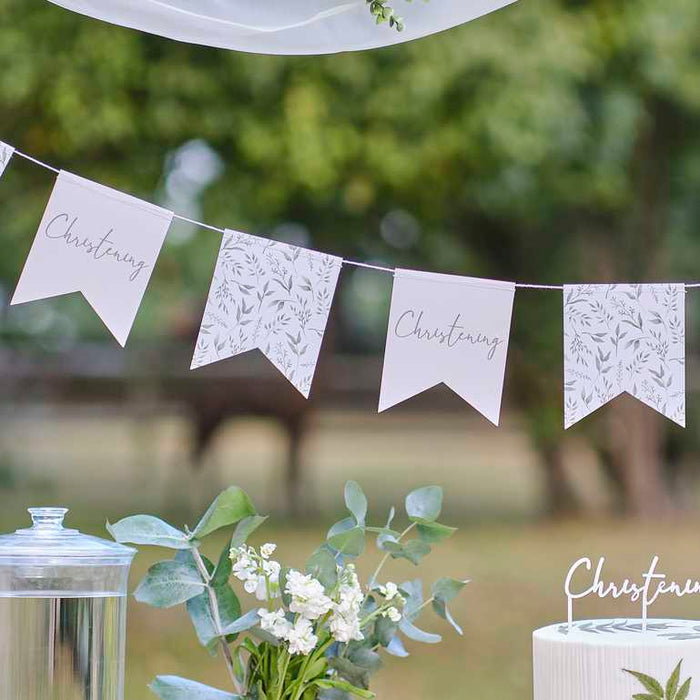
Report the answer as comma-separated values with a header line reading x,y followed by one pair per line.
x,y
269,296
6,152
447,329
98,241
624,338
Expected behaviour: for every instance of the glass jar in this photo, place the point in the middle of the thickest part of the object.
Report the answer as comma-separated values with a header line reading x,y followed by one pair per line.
x,y
62,612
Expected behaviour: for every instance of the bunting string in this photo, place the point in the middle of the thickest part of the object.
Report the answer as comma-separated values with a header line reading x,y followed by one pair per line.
x,y
354,263
276,298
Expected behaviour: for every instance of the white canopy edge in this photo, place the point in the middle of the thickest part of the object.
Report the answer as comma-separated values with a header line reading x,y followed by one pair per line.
x,y
282,27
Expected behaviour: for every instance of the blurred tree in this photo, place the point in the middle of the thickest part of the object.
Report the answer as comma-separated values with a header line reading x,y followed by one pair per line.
x,y
552,141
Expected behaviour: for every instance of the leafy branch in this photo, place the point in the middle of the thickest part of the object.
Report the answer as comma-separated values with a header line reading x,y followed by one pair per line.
x,y
318,634
382,13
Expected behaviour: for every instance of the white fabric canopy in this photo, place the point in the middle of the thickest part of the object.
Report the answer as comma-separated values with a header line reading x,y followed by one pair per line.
x,y
282,26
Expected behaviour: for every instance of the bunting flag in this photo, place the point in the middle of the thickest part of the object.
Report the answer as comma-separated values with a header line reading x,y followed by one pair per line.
x,y
451,330
277,297
624,338
6,153
98,241
271,296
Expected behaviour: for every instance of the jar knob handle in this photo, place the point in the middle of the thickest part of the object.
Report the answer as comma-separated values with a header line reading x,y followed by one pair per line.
x,y
48,518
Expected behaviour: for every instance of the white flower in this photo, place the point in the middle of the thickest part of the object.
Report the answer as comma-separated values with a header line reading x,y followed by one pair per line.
x,y
267,550
301,637
345,621
259,576
390,590
308,596
394,615
274,622
346,628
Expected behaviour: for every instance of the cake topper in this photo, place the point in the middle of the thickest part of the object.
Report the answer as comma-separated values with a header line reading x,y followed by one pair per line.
x,y
655,585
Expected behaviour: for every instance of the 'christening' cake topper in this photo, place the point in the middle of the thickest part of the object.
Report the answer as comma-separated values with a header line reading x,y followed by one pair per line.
x,y
655,585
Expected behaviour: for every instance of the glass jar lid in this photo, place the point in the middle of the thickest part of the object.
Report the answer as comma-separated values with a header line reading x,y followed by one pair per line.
x,y
49,542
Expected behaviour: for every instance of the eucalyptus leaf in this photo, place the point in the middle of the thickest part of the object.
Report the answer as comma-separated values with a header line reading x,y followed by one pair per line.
x,y
356,502
350,543
385,630
264,636
344,685
442,610
229,507
148,530
333,694
202,617
390,518
388,542
341,526
424,504
365,658
245,529
242,624
175,688
432,533
351,672
413,592
418,635
186,556
446,589
322,566
413,550
222,573
169,583
396,648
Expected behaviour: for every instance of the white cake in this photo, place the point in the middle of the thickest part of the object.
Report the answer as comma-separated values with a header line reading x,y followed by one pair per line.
x,y
588,662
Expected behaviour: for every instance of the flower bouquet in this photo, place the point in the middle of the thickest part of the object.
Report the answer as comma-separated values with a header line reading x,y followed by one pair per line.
x,y
311,635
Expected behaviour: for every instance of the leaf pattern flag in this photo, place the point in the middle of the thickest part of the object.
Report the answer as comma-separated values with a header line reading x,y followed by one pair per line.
x,y
451,330
271,296
624,338
6,152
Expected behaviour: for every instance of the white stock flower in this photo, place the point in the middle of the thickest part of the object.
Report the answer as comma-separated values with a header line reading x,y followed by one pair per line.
x,y
274,622
390,590
345,620
301,637
267,550
308,596
394,615
259,576
346,628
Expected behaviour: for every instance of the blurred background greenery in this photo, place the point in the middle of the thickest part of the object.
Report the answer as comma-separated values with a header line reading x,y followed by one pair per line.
x,y
553,141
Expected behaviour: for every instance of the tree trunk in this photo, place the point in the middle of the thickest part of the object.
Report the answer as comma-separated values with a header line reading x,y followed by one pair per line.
x,y
636,450
561,498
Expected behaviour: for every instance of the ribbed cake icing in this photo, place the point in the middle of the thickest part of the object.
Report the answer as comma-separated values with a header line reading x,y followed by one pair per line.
x,y
592,660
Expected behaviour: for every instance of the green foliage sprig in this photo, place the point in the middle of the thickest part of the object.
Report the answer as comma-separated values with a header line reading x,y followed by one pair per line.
x,y
382,12
320,633
672,690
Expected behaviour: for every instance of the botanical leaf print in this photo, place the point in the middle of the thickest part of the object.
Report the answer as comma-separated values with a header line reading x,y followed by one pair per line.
x,y
6,153
624,338
271,296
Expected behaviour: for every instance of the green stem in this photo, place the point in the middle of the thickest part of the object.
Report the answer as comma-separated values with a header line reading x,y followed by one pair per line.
x,y
301,689
216,617
283,675
385,558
